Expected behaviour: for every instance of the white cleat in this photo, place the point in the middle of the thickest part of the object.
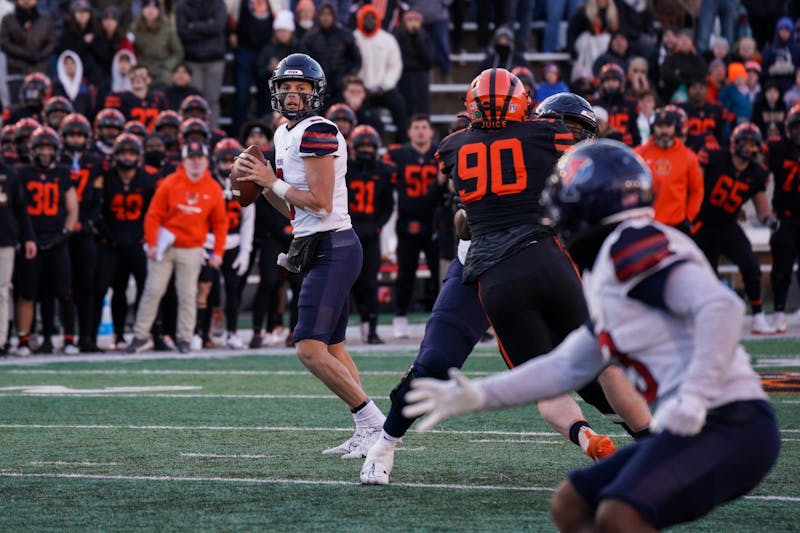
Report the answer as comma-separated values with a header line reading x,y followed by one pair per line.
x,y
378,464
779,322
234,342
71,349
347,446
760,325
400,326
367,441
196,344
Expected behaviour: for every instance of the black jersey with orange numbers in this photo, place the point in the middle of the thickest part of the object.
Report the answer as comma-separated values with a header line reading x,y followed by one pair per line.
x,y
124,206
705,126
499,176
145,110
370,199
14,219
784,162
621,116
84,174
726,190
418,189
46,194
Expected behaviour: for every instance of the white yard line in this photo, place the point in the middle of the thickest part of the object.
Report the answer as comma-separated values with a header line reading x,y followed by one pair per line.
x,y
111,394
312,482
37,371
227,456
514,441
70,463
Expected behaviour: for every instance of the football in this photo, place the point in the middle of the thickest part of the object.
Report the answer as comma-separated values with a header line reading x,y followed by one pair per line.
x,y
246,192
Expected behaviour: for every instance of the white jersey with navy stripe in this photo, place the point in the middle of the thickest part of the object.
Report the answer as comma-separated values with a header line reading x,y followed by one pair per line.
x,y
313,137
657,345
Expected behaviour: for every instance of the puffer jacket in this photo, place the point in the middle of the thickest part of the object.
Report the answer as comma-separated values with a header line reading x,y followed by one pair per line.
x,y
158,48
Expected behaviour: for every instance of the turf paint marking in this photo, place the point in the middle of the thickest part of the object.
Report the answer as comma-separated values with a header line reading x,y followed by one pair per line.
x,y
70,463
513,441
279,481
62,390
168,372
228,456
86,393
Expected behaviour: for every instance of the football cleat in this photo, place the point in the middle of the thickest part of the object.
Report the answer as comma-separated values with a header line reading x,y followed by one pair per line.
x,y
346,447
139,345
195,345
45,347
70,349
373,338
23,350
761,326
599,447
279,335
780,322
378,464
367,441
186,346
400,327
234,342
257,340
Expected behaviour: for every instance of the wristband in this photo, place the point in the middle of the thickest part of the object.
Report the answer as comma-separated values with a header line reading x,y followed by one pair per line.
x,y
280,188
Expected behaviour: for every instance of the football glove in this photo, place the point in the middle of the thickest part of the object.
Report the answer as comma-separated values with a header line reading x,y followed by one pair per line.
x,y
773,223
241,262
442,399
683,415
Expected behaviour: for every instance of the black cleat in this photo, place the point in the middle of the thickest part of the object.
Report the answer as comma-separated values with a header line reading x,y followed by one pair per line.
x,y
45,347
257,341
374,339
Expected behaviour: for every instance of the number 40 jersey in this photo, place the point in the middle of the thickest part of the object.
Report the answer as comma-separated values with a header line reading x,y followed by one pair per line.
x,y
499,174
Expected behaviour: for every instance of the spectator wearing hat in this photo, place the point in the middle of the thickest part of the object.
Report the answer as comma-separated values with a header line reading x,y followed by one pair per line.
x,y
415,50
502,53
334,47
73,85
734,96
124,12
618,52
283,43
156,42
781,56
28,39
201,27
552,83
185,208
753,69
381,67
78,35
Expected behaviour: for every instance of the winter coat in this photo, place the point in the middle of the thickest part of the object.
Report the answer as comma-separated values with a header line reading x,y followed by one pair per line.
x,y
159,48
201,27
336,51
27,51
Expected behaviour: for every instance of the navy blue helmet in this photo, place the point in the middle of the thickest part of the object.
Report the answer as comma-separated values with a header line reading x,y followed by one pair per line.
x,y
596,184
569,106
298,67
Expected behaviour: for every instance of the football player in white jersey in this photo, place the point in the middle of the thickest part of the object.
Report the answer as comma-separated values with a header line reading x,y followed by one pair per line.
x,y
657,310
308,186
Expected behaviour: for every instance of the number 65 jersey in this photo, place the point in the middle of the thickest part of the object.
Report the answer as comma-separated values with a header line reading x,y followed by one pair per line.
x,y
499,175
648,326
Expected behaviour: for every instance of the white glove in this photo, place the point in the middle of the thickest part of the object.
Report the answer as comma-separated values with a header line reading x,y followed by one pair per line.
x,y
442,399
241,263
283,260
683,415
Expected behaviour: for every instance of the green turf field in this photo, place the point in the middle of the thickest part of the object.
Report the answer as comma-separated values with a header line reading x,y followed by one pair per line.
x,y
234,443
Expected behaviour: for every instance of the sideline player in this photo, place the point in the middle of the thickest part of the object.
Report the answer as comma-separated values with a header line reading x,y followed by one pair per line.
x,y
308,187
458,320
658,310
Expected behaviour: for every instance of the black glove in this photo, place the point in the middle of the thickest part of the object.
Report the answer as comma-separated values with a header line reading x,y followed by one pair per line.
x,y
685,227
772,222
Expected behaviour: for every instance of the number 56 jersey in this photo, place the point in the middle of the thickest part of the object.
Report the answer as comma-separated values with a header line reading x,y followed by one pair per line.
x,y
499,175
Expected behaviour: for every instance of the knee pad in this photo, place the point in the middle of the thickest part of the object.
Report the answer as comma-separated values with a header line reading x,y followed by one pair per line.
x,y
398,394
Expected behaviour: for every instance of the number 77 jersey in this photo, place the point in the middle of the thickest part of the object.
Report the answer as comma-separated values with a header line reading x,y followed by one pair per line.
x,y
499,174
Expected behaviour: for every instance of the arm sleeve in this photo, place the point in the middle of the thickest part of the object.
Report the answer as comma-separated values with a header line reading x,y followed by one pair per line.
x,y
318,140
695,189
248,229
569,366
693,291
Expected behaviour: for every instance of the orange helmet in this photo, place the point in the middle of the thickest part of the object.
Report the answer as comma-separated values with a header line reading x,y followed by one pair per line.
x,y
496,97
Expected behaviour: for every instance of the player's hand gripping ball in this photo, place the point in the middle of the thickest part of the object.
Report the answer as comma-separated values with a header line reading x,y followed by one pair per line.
x,y
246,192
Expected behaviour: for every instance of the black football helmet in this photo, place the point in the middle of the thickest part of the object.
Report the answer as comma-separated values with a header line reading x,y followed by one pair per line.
x,y
168,125
35,89
227,149
75,124
192,128
298,67
362,135
612,71
55,109
195,106
747,141
108,123
44,136
573,108
127,142
135,127
596,185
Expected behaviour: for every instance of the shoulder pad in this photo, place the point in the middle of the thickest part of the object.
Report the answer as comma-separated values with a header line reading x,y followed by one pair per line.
x,y
638,249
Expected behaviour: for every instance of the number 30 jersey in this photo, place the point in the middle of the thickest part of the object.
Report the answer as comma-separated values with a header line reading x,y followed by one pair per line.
x,y
499,175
